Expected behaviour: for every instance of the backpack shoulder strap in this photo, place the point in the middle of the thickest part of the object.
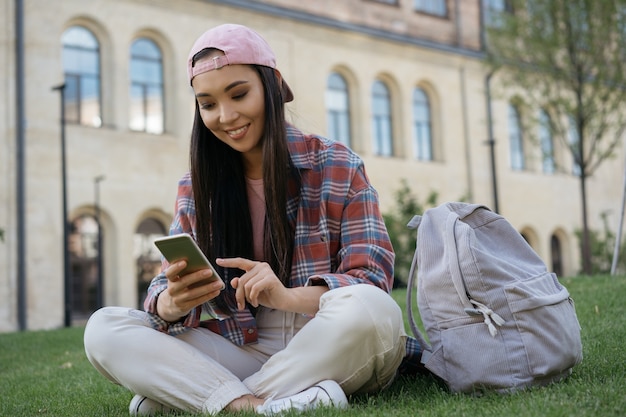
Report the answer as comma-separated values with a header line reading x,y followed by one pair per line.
x,y
414,224
471,306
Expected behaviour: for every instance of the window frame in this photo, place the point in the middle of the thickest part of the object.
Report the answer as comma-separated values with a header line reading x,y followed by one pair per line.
x,y
573,138
81,48
546,143
437,8
147,87
517,158
494,10
386,2
382,122
338,118
421,125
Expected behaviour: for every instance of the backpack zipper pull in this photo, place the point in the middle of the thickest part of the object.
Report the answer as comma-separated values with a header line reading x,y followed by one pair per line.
x,y
490,317
472,312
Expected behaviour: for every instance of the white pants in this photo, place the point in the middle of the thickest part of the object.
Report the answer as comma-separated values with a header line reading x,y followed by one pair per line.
x,y
357,338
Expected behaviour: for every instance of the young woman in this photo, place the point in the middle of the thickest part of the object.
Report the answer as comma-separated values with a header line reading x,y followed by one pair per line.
x,y
294,228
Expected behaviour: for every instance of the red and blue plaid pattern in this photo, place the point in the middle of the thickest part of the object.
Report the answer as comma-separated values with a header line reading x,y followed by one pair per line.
x,y
340,236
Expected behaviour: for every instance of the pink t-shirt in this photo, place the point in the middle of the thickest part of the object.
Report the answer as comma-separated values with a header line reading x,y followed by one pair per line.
x,y
256,202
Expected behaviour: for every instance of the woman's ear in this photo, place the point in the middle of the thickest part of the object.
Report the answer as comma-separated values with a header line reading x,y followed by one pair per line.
x,y
279,76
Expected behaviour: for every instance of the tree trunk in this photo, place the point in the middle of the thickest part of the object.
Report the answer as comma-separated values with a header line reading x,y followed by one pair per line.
x,y
586,244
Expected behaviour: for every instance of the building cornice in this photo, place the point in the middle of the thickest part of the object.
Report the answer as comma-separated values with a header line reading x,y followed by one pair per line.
x,y
310,18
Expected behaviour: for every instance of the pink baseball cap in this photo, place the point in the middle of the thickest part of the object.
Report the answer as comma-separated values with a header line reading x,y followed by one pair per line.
x,y
240,44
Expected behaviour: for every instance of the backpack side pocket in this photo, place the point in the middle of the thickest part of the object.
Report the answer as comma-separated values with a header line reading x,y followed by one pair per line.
x,y
545,317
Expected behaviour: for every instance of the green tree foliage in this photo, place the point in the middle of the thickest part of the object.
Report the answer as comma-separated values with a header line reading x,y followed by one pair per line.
x,y
602,249
403,238
568,58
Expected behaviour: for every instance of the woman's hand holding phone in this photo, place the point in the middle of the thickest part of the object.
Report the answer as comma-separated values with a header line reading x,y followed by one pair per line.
x,y
185,292
191,279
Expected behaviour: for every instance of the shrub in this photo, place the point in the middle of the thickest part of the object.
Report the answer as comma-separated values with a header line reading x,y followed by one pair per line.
x,y
403,238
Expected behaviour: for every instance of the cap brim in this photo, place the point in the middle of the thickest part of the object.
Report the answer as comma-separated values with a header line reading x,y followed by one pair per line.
x,y
287,93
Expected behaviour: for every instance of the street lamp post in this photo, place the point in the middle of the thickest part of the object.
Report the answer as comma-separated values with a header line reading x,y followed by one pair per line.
x,y
67,278
20,164
100,282
492,143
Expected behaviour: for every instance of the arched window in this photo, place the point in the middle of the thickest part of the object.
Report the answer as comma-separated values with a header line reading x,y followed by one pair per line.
x,y
146,87
435,7
574,143
516,143
147,256
494,11
81,65
422,132
381,119
84,254
338,109
546,142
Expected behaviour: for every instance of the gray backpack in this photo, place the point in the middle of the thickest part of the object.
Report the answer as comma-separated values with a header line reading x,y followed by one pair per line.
x,y
495,317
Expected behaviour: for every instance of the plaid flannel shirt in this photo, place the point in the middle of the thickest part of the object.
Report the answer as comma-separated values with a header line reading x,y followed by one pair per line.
x,y
340,236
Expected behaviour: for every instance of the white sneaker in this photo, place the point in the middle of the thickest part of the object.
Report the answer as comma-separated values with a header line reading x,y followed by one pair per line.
x,y
144,406
326,393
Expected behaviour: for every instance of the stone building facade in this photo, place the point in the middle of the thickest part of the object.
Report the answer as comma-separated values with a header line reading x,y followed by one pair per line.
x,y
402,82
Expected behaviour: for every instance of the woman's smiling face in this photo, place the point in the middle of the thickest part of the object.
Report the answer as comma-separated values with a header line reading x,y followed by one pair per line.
x,y
232,105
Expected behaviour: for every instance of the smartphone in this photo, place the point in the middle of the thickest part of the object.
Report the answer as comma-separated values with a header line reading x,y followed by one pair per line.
x,y
183,247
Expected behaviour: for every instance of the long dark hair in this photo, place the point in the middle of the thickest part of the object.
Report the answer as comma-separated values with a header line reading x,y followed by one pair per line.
x,y
223,225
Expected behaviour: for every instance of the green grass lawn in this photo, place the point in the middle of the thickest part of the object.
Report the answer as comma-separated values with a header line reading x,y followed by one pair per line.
x,y
45,373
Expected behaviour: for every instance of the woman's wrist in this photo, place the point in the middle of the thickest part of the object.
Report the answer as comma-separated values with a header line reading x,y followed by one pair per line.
x,y
162,310
305,300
